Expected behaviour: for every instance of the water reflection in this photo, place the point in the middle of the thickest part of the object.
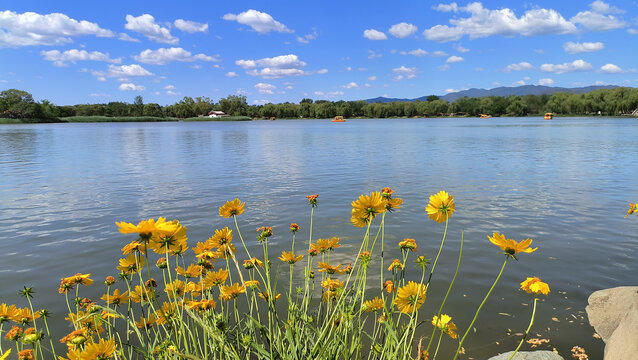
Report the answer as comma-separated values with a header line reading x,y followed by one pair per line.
x,y
564,183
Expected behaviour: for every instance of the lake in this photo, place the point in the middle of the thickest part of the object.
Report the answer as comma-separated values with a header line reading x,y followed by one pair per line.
x,y
565,183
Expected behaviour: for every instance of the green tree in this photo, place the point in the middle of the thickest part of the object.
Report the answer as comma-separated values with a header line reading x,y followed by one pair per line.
x,y
235,105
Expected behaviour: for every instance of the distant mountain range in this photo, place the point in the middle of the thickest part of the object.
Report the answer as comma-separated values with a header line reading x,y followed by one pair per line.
x,y
501,91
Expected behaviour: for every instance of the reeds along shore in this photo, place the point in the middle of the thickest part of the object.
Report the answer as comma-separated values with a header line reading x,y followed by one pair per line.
x,y
217,300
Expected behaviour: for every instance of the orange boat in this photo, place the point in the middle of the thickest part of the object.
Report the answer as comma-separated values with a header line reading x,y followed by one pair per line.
x,y
338,119
549,116
485,116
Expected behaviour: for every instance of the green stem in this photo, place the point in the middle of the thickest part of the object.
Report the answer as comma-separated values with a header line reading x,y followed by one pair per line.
x,y
531,322
458,265
458,349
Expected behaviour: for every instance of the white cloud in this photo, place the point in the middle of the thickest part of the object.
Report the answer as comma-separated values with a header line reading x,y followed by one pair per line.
x,y
478,69
417,52
99,95
372,34
632,31
402,30
131,87
191,27
127,37
122,72
519,83
611,69
71,56
276,67
259,21
576,65
163,56
171,93
460,48
454,58
404,72
445,67
575,48
439,53
349,68
367,85
265,88
260,102
169,87
351,85
604,8
330,94
452,7
145,24
231,74
447,91
372,78
485,22
31,29
373,55
306,38
518,67
545,82
597,19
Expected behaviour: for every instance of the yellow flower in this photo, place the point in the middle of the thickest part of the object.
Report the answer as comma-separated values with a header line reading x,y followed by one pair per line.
x,y
312,199
441,206
76,337
510,246
134,246
535,285
366,208
202,305
221,237
214,278
633,208
172,242
141,294
225,251
290,257
193,271
5,355
231,292
409,244
388,286
25,355
332,284
203,250
396,264
7,312
445,324
116,297
145,323
324,245
24,316
78,278
101,351
330,295
390,202
373,305
251,263
146,228
327,268
410,297
253,284
232,208
294,227
174,289
264,295
130,265
166,313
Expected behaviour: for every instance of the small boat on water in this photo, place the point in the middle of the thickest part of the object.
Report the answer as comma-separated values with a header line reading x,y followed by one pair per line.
x,y
339,119
485,116
549,116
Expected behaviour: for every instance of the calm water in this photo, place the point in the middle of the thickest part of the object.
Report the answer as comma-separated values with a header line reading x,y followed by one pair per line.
x,y
565,183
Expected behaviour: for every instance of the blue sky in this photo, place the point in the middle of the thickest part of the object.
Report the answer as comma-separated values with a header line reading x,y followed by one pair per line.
x,y
72,52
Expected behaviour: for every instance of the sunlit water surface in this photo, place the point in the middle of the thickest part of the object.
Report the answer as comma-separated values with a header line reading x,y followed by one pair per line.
x,y
565,183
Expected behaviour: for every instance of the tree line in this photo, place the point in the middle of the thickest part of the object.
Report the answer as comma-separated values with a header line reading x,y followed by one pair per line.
x,y
19,104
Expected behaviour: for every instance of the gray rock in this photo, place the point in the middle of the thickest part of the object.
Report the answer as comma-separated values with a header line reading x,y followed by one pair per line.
x,y
529,355
614,315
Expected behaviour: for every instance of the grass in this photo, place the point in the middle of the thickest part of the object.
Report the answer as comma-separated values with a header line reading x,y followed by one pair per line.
x,y
91,119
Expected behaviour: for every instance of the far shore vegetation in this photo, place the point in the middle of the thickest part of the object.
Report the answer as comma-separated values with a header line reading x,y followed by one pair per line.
x,y
18,106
